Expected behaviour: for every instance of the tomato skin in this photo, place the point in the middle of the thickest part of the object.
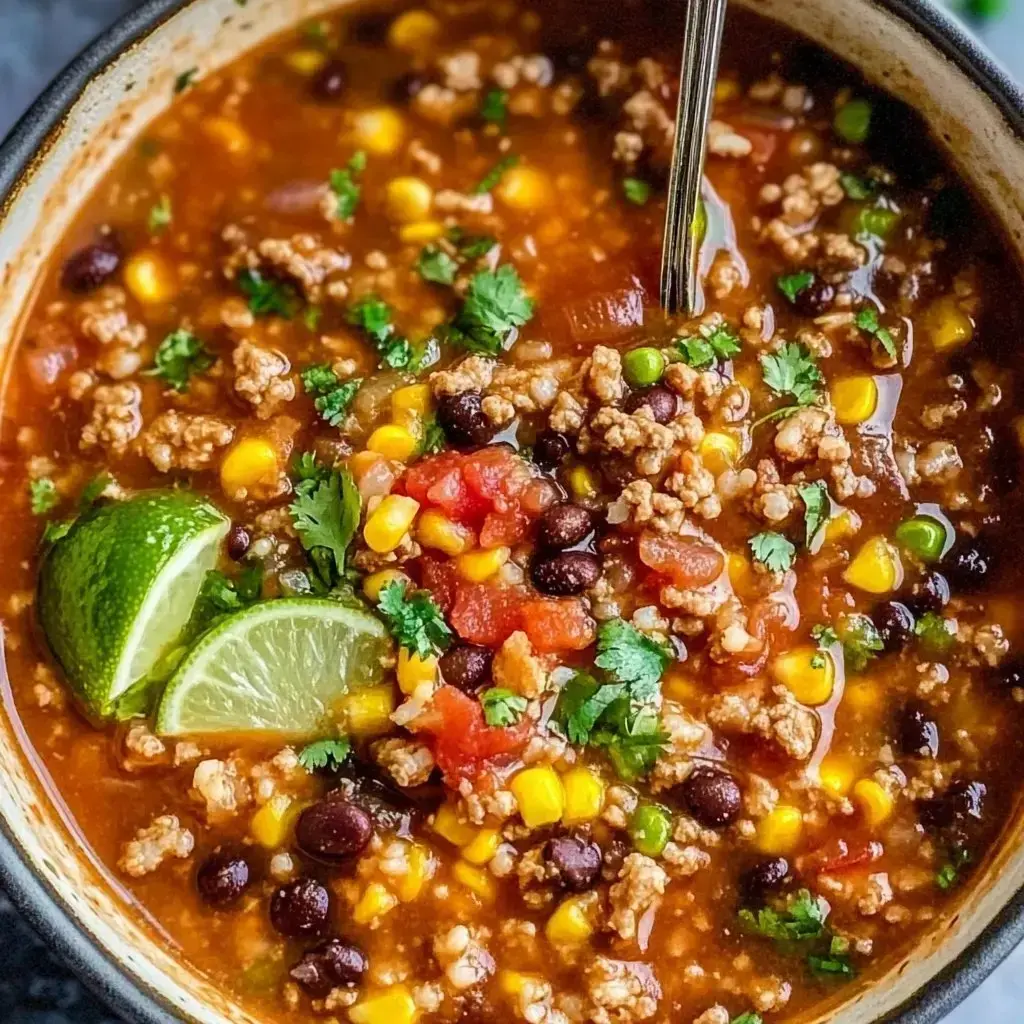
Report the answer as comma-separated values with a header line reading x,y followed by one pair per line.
x,y
554,625
486,613
839,855
688,563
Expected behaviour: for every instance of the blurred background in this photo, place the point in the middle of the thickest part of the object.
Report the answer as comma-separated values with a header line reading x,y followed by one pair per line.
x,y
37,38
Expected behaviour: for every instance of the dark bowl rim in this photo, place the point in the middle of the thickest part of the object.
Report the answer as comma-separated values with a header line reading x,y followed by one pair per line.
x,y
38,902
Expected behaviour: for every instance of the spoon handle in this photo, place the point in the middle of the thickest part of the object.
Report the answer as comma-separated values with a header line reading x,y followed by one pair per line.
x,y
702,45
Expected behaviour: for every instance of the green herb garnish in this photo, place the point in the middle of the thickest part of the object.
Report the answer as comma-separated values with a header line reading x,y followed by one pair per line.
x,y
502,707
496,305
185,79
861,641
867,321
325,514
266,296
774,551
817,508
414,619
490,180
373,315
934,632
345,185
631,657
792,371
43,495
160,215
858,189
793,285
180,355
494,108
636,190
804,918
332,396
713,342
436,265
325,754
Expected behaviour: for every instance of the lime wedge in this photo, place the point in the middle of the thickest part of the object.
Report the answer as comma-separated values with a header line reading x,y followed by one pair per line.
x,y
281,666
116,592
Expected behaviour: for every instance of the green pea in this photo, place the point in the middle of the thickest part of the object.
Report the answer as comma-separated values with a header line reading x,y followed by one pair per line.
x,y
643,366
876,221
853,121
650,829
922,536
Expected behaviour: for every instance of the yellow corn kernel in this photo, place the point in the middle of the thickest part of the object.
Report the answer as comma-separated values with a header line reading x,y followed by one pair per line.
x,y
874,801
413,671
779,831
376,582
726,89
478,881
150,278
360,463
272,823
582,482
478,566
411,884
842,526
809,674
854,399
512,983
836,775
389,523
448,825
414,30
250,463
947,325
421,233
482,847
375,902
395,1005
367,712
570,923
876,568
229,134
864,696
741,574
540,795
584,796
408,200
410,404
524,188
380,130
306,62
393,442
679,686
435,530
719,451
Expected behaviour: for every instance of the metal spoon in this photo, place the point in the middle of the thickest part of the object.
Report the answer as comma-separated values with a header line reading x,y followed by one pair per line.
x,y
702,45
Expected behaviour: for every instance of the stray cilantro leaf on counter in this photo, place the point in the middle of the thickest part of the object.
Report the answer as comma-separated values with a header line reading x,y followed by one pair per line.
x,y
636,190
496,304
495,106
775,552
325,514
436,265
793,285
860,639
632,658
185,79
331,396
867,321
414,619
345,185
325,754
491,179
43,496
857,188
792,371
934,632
713,342
373,316
502,707
803,918
817,508
180,355
160,216
266,296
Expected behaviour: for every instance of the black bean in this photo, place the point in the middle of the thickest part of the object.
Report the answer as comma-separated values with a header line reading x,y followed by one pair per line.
x,y
761,879
91,266
239,540
961,804
712,796
815,299
222,877
659,399
563,526
895,625
300,909
550,449
1009,675
917,731
463,421
565,574
371,28
332,964
576,861
466,666
330,81
333,830
929,594
407,87
967,565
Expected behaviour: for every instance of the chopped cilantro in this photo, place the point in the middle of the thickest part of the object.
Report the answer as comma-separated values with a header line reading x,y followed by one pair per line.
x,y
180,355
311,317
433,436
934,632
266,296
833,965
471,247
804,918
773,551
636,190
792,371
345,185
221,595
491,179
714,342
946,877
861,641
332,396
307,472
495,106
373,315
315,31
325,514
858,188
748,1018
502,707
329,754
792,285
495,306
436,265
581,702
160,216
825,635
817,508
867,321
414,619
92,491
43,496
185,79
632,658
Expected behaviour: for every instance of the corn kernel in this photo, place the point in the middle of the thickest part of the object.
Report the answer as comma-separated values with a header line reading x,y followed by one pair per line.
x,y
411,404
524,188
435,530
482,847
376,582
421,233
582,482
413,671
367,712
413,31
448,825
380,130
679,686
306,62
863,696
584,796
272,823
947,325
393,442
421,865
836,775
478,881
408,200
395,1005
360,463
779,832
389,523
809,674
842,526
250,463
719,451
570,923
150,279
375,902
726,89
854,399
876,568
478,566
512,983
228,134
540,795
874,801
741,573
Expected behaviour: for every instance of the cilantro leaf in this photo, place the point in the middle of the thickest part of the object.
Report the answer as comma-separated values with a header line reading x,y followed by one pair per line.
x,y
867,321
773,551
221,595
714,341
803,918
490,180
322,754
495,306
495,106
632,658
92,491
43,496
414,619
332,397
471,247
748,1018
833,965
325,514
792,371
632,737
266,296
934,632
373,315
160,215
581,702
817,508
307,472
636,190
793,285
436,265
946,877
502,707
858,188
345,185
861,641
185,80
180,355
434,438
825,635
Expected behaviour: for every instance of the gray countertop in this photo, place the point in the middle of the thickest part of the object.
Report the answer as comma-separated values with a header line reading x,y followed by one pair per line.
x,y
37,37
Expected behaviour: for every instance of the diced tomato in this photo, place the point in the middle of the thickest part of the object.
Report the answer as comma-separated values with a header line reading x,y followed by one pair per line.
x,y
438,576
688,563
503,530
49,355
497,475
486,613
764,143
839,855
555,625
438,482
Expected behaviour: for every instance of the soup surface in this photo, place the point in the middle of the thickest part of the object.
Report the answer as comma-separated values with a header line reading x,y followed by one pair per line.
x,y
418,624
